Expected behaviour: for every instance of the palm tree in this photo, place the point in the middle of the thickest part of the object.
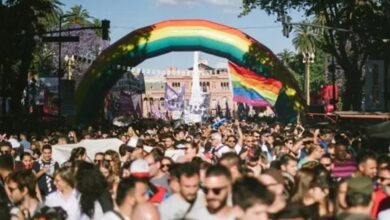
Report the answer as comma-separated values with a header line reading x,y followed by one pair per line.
x,y
305,40
97,23
77,15
286,56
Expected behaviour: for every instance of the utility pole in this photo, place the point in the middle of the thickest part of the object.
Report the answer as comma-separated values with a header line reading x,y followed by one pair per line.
x,y
59,69
333,70
308,58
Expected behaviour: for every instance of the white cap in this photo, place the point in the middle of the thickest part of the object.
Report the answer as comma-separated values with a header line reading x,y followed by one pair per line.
x,y
139,168
14,143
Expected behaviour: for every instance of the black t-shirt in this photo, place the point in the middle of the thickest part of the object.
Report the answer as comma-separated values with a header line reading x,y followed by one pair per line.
x,y
45,182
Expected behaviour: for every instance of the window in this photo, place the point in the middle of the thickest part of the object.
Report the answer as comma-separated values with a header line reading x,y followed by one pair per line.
x,y
175,84
225,85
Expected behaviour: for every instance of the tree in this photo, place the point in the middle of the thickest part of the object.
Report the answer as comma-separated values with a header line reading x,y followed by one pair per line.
x,y
18,42
294,63
305,39
305,42
286,56
363,20
77,15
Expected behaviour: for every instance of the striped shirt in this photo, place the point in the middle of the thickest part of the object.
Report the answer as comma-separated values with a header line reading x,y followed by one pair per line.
x,y
343,169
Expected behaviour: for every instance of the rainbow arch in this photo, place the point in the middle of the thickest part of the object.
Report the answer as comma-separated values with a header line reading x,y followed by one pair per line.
x,y
184,35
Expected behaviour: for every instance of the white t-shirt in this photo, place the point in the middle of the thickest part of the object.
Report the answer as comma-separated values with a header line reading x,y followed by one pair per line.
x,y
221,149
113,216
175,207
384,215
238,148
70,205
203,214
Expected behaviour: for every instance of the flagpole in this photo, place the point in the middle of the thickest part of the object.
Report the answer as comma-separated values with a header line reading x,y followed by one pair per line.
x,y
231,88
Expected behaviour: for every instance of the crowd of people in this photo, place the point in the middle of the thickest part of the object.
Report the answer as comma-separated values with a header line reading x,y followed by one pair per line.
x,y
235,170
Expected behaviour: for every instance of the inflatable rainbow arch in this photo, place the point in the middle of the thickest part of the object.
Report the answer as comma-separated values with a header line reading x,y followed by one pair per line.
x,y
184,35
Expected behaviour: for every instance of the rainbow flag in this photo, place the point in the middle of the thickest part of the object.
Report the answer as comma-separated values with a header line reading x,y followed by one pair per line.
x,y
252,88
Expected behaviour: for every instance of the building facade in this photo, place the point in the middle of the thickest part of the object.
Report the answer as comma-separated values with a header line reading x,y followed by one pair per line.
x,y
216,82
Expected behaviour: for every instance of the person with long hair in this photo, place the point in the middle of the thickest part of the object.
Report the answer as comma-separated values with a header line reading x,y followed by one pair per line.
x,y
113,158
108,173
312,194
95,199
27,160
66,196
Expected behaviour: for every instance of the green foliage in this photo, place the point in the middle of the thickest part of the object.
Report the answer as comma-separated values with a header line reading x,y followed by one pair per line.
x,y
20,24
305,39
77,15
317,69
366,23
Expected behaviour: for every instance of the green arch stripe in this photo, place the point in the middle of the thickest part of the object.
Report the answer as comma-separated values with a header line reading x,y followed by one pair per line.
x,y
153,41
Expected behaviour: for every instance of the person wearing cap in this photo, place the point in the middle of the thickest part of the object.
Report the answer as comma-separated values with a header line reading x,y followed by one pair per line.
x,y
358,199
140,169
274,181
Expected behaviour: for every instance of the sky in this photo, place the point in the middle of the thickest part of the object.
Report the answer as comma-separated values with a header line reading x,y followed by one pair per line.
x,y
128,15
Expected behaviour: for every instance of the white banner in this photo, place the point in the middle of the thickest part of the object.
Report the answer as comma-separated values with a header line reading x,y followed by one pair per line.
x,y
61,153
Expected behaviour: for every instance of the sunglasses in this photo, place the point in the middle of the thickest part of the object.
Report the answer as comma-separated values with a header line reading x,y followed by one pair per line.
x,y
107,160
381,178
166,165
216,190
97,161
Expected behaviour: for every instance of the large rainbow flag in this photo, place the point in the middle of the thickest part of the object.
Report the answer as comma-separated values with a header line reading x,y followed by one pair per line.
x,y
252,88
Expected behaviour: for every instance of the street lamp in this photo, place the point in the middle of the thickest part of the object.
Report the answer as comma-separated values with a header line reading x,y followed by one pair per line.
x,y
69,61
59,75
386,42
308,58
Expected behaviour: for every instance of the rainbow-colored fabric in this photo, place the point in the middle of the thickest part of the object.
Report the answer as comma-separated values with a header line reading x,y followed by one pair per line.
x,y
252,88
183,35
